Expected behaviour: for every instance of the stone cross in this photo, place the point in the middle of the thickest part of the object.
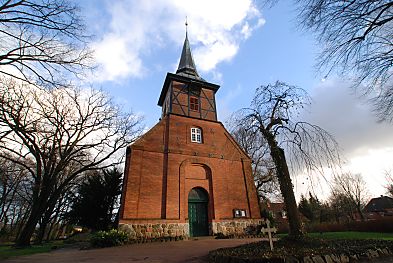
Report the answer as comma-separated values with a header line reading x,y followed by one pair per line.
x,y
269,230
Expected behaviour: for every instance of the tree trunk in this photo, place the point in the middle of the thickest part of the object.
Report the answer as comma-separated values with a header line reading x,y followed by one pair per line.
x,y
45,219
41,231
28,229
20,220
359,209
286,187
37,210
47,215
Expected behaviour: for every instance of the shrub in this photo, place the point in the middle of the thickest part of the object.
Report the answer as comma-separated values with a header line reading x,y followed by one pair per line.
x,y
383,225
327,227
109,238
282,227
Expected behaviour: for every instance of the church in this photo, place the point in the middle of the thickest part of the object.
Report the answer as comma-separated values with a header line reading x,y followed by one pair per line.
x,y
187,176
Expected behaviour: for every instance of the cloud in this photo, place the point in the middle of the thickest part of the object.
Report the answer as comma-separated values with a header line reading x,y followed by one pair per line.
x,y
116,60
366,144
141,29
348,117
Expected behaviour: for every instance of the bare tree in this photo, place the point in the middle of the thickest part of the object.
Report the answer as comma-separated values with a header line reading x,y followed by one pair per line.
x,y
42,41
253,143
64,132
14,184
349,192
389,184
342,207
357,38
53,221
273,114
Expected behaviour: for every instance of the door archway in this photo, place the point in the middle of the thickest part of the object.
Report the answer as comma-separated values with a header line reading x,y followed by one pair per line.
x,y
198,200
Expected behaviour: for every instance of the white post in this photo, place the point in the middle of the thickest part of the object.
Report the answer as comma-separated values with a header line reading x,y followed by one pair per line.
x,y
270,234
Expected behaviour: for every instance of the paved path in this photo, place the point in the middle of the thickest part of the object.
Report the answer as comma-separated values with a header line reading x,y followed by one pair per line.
x,y
193,251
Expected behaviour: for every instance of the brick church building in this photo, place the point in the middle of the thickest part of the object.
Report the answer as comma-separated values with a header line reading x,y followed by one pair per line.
x,y
187,176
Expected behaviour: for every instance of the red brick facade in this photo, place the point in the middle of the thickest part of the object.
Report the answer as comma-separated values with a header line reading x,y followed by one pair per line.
x,y
164,165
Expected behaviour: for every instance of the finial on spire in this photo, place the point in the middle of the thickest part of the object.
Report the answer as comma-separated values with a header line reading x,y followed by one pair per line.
x,y
186,64
186,23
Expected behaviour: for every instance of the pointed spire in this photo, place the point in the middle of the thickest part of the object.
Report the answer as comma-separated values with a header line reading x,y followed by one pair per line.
x,y
186,64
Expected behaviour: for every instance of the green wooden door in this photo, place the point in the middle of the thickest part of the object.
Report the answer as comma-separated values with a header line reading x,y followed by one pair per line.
x,y
197,213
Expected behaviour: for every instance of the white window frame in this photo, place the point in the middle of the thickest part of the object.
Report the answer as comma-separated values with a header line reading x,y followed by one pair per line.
x,y
196,135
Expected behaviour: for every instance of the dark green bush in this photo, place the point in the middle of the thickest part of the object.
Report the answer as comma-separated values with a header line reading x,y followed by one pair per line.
x,y
109,238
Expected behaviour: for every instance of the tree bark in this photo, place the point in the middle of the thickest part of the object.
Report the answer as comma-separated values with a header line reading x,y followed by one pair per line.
x,y
28,229
359,209
45,220
37,210
286,187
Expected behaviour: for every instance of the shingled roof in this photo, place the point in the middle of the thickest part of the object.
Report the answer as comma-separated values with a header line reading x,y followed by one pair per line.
x,y
186,66
379,204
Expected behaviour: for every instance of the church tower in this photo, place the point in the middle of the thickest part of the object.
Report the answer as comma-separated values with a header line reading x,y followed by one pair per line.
x,y
187,176
186,93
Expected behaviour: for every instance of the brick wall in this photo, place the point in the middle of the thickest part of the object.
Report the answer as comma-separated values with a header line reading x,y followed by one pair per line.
x,y
164,165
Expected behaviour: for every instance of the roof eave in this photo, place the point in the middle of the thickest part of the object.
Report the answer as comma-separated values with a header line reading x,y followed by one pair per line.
x,y
170,77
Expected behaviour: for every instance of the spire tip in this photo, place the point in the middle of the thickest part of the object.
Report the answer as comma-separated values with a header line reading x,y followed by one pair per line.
x,y
186,23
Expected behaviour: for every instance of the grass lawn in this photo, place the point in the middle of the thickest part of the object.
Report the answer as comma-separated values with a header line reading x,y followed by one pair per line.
x,y
7,251
349,235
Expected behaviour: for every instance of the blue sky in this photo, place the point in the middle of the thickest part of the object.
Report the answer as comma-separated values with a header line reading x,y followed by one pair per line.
x,y
239,45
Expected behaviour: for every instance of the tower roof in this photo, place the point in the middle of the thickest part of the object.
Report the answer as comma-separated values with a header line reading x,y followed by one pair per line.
x,y
186,66
185,73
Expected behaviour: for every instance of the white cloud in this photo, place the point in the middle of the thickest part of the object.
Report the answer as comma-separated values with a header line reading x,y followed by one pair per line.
x,y
116,60
366,144
207,56
137,28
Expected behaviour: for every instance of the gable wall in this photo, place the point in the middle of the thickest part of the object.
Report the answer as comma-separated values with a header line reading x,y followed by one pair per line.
x,y
180,101
158,184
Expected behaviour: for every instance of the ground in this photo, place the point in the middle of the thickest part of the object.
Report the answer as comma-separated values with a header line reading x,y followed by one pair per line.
x,y
192,251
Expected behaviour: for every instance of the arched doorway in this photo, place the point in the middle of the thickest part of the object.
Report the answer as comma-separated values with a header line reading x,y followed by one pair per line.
x,y
198,200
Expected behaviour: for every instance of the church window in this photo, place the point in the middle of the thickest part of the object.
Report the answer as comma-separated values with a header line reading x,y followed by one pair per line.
x,y
196,135
194,103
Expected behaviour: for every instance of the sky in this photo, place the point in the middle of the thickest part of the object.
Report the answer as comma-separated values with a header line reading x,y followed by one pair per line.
x,y
239,45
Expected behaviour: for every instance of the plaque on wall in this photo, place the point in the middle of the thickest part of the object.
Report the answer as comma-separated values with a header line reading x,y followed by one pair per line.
x,y
239,213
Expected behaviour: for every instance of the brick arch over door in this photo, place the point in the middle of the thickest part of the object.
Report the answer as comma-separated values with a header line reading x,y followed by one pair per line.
x,y
195,172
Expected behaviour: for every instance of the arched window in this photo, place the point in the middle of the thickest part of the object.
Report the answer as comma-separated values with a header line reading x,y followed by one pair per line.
x,y
196,135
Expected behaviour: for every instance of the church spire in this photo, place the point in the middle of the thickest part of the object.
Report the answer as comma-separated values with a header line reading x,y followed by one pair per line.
x,y
186,64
